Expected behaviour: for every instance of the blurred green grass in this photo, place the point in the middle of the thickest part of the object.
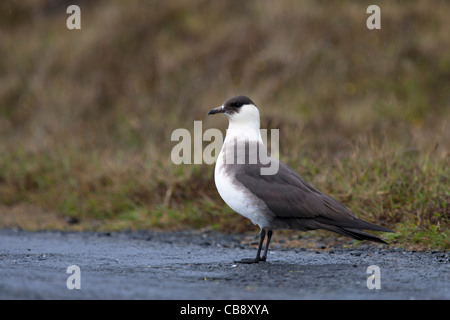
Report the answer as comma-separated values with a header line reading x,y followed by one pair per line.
x,y
86,115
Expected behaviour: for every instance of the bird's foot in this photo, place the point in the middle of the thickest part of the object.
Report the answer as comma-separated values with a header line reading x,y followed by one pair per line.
x,y
250,261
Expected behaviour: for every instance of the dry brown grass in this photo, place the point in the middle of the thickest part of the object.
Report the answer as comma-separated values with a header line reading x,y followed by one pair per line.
x,y
86,116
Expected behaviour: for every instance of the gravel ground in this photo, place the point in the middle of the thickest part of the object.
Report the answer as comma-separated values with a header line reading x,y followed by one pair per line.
x,y
200,265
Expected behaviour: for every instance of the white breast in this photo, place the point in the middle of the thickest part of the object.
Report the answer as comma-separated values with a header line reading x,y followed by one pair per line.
x,y
237,197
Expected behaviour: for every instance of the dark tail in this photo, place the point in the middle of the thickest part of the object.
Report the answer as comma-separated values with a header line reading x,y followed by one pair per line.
x,y
350,228
353,229
357,234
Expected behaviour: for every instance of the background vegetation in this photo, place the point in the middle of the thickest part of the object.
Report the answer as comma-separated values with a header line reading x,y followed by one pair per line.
x,y
86,115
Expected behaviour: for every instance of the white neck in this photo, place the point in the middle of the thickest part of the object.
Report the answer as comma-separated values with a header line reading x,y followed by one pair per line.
x,y
244,125
243,132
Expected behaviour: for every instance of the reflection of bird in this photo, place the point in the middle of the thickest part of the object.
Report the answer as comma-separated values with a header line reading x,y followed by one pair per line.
x,y
281,200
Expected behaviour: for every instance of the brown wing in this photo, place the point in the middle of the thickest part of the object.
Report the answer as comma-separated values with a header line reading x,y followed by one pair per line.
x,y
289,196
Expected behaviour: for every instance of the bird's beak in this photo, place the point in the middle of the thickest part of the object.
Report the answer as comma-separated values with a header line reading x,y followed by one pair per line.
x,y
220,109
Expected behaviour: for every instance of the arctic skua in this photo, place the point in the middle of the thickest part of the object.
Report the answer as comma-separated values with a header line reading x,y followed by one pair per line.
x,y
281,199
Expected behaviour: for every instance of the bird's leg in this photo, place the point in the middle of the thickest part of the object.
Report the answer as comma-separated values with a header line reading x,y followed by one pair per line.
x,y
269,236
261,241
258,253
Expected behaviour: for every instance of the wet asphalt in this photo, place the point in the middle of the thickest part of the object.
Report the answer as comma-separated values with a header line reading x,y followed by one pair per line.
x,y
200,265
